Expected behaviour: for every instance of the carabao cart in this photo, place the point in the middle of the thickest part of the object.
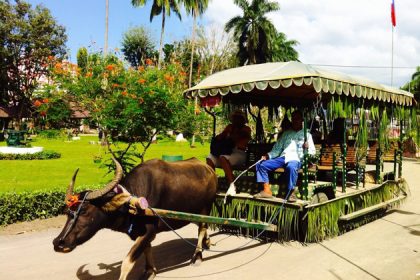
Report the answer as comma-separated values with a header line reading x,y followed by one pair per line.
x,y
337,190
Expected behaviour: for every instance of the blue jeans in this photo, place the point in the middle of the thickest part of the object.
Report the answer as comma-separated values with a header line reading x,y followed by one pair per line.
x,y
291,170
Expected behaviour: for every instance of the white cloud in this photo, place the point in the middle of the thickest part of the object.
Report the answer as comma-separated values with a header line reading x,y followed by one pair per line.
x,y
354,32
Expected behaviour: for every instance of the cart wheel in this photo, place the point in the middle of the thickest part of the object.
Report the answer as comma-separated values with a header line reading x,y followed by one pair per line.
x,y
319,197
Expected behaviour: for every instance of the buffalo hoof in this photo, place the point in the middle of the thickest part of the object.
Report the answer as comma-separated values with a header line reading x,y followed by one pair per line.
x,y
206,243
197,259
149,275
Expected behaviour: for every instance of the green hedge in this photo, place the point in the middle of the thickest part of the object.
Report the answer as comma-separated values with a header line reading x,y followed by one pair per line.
x,y
39,155
31,205
52,134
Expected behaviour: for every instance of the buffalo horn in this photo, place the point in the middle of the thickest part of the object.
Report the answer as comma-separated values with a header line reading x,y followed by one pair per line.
x,y
110,185
71,186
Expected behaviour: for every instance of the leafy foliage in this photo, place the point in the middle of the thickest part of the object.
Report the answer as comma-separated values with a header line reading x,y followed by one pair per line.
x,y
30,205
414,87
28,36
179,52
283,49
137,45
39,155
164,7
131,105
58,109
82,58
51,134
253,31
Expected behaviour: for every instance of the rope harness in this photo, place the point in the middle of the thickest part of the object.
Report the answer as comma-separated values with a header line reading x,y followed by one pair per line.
x,y
74,215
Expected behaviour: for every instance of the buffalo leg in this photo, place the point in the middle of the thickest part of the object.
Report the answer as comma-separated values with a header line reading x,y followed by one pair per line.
x,y
202,236
140,245
150,263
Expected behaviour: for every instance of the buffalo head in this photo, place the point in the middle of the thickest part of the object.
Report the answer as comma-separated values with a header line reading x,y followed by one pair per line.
x,y
88,212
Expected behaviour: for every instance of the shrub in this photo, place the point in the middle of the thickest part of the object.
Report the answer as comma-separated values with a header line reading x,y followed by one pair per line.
x,y
26,206
51,134
31,205
40,155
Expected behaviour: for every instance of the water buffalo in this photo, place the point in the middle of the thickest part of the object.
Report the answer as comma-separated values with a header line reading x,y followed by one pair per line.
x,y
187,186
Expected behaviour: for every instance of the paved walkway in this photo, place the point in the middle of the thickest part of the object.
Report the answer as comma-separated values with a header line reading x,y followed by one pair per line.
x,y
388,248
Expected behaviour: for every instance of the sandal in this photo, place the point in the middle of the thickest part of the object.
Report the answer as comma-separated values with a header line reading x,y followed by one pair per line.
x,y
263,194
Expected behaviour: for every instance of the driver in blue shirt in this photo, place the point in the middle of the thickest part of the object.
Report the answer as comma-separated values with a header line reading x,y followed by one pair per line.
x,y
287,153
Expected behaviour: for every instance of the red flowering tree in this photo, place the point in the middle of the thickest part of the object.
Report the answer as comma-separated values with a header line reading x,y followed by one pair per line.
x,y
28,36
128,104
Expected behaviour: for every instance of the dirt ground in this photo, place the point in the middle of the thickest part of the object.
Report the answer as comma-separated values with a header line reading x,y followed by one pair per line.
x,y
33,226
387,248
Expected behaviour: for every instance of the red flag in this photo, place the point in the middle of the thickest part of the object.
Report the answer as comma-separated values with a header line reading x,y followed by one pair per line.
x,y
393,18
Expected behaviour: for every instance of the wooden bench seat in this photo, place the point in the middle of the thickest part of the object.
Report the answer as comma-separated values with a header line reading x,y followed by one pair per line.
x,y
372,151
388,156
330,161
356,162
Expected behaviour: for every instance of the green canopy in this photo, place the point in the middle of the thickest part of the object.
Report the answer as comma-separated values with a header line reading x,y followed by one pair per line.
x,y
293,82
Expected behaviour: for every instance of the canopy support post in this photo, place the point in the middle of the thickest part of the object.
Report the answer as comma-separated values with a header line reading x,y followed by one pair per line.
x,y
378,155
305,182
400,149
214,120
344,158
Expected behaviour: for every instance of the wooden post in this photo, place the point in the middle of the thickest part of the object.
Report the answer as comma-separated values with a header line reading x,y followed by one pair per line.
x,y
395,162
305,182
214,120
334,172
400,149
378,155
344,158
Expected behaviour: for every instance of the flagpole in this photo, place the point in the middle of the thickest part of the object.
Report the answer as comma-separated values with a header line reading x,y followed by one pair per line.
x,y
393,23
392,57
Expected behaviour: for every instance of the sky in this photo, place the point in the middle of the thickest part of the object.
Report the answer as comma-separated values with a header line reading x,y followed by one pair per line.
x,y
329,32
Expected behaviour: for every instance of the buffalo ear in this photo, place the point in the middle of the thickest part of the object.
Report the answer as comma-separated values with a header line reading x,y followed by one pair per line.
x,y
100,201
108,196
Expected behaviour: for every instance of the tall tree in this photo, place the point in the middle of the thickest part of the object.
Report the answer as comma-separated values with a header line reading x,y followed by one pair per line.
x,y
195,8
163,7
414,87
216,50
283,49
28,37
82,59
253,31
137,45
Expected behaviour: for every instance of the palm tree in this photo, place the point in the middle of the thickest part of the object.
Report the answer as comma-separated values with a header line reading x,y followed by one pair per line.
x,y
195,8
283,49
163,7
415,87
253,30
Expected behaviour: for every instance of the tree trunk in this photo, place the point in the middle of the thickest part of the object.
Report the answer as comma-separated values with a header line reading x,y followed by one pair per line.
x,y
192,50
161,39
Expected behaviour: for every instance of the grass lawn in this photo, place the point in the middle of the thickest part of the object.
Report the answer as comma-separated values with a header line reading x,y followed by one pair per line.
x,y
18,175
